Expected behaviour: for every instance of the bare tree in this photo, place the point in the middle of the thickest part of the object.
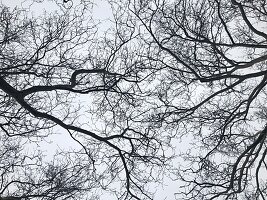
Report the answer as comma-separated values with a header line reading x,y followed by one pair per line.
x,y
57,72
26,175
211,87
164,71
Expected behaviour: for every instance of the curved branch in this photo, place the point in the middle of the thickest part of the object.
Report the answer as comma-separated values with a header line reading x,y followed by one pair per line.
x,y
244,16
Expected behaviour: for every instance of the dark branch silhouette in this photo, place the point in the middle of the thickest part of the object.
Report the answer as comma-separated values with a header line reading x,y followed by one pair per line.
x,y
165,73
